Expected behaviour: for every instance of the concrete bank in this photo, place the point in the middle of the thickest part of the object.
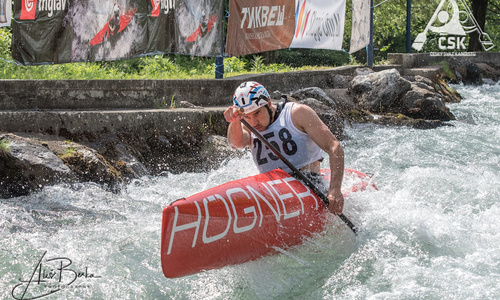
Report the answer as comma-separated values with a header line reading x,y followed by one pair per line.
x,y
110,131
79,108
419,60
153,94
73,108
89,125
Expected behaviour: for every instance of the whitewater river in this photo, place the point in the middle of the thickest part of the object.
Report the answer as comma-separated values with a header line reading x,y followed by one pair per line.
x,y
431,231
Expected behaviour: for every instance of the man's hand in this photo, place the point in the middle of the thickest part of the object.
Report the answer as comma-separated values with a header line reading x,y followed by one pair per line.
x,y
238,137
232,114
336,204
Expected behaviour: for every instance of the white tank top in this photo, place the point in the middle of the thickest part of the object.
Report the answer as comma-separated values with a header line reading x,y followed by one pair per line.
x,y
294,145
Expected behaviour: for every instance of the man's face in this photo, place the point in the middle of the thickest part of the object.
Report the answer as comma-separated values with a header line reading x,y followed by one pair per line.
x,y
259,119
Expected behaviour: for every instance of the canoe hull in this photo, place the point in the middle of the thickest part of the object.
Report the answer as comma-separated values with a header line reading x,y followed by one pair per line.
x,y
237,222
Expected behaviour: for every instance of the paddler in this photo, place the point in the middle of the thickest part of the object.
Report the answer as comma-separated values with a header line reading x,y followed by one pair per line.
x,y
114,22
295,129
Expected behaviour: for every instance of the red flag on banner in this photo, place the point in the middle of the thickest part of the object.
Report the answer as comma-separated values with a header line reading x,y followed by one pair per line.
x,y
156,8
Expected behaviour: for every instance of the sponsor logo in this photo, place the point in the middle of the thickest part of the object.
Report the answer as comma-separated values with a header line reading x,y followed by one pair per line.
x,y
156,8
452,25
280,199
28,9
316,25
51,6
262,16
167,5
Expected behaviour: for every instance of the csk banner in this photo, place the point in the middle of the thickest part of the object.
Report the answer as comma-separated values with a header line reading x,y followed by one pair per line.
x,y
259,26
319,24
62,31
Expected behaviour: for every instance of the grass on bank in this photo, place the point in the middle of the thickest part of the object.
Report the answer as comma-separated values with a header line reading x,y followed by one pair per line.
x,y
169,66
149,67
4,145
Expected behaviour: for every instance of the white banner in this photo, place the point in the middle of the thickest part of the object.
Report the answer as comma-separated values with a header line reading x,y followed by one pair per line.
x,y
319,24
5,13
360,34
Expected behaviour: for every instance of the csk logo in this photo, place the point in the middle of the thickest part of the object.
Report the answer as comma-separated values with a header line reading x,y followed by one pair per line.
x,y
452,25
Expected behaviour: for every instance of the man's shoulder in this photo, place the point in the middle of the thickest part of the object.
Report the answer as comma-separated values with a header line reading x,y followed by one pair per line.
x,y
300,108
301,115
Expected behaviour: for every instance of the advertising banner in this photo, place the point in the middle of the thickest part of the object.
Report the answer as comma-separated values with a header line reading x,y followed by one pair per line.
x,y
259,26
61,31
319,24
360,33
5,13
200,27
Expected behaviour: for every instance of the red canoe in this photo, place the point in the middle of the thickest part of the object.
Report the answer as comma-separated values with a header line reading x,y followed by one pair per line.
x,y
200,32
242,220
125,18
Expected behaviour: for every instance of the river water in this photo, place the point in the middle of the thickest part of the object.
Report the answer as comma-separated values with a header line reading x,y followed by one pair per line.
x,y
431,231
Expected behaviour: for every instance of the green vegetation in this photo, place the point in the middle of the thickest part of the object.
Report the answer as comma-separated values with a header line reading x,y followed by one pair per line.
x,y
389,37
69,152
4,145
172,102
447,70
169,66
150,67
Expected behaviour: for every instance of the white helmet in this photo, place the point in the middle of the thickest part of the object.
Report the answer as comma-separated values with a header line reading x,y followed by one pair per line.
x,y
250,96
116,10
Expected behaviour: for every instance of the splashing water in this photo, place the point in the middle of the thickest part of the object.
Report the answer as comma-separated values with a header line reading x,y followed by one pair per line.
x,y
431,231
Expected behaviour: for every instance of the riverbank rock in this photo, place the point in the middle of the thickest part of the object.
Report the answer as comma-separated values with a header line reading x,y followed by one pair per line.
x,y
315,93
383,97
184,140
28,162
27,165
490,72
215,152
90,166
387,92
379,92
420,103
464,71
328,115
402,120
327,109
447,93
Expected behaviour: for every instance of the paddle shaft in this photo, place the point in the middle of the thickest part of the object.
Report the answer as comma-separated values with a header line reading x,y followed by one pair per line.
x,y
299,174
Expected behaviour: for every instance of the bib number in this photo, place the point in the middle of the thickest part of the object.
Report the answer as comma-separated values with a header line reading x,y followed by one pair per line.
x,y
288,146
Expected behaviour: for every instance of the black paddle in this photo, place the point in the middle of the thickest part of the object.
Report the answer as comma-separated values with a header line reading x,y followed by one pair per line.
x,y
299,174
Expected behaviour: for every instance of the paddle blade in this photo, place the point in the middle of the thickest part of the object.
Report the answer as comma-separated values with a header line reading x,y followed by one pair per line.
x,y
419,41
486,41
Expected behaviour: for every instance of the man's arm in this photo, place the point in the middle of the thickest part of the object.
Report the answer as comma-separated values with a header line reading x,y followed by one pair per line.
x,y
237,135
306,120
